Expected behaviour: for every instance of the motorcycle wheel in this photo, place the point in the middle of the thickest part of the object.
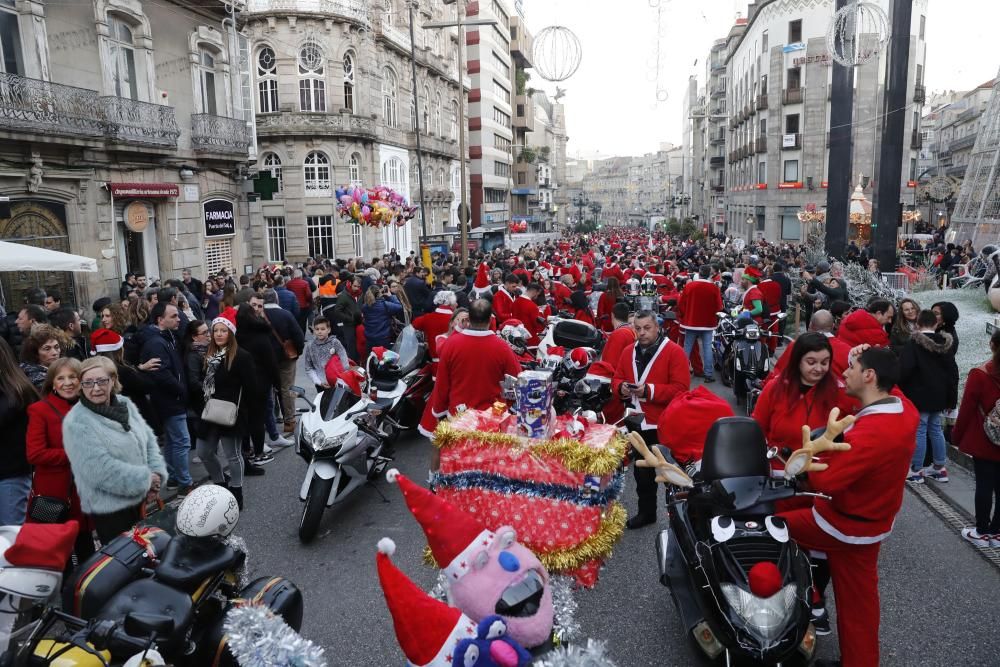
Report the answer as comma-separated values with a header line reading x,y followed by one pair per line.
x,y
319,491
726,372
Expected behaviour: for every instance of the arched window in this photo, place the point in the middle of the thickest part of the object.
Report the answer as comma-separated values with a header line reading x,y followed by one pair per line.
x,y
267,81
207,100
272,163
389,91
453,122
394,174
349,82
437,115
122,47
317,174
425,116
354,167
312,85
442,179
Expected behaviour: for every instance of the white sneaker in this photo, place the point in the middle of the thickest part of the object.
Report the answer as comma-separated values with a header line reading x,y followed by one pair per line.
x,y
279,442
995,541
978,539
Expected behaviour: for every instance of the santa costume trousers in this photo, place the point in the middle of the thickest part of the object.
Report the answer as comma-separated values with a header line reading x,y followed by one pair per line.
x,y
854,568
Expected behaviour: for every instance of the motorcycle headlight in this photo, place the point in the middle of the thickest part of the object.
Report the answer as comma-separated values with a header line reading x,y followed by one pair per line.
x,y
332,442
765,617
752,333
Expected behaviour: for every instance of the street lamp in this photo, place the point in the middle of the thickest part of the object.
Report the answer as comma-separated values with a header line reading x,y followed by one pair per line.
x,y
460,23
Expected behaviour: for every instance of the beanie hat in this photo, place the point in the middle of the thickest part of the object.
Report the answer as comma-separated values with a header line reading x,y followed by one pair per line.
x,y
106,340
752,273
684,423
453,535
427,630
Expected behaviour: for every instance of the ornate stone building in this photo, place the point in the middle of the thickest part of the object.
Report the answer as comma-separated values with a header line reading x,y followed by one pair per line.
x,y
123,138
335,105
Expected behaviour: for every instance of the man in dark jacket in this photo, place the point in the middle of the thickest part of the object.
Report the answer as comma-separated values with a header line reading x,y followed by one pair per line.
x,y
287,335
303,297
68,321
169,395
285,298
929,378
192,285
347,314
417,291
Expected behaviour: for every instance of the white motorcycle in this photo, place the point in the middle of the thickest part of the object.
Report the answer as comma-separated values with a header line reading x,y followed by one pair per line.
x,y
342,437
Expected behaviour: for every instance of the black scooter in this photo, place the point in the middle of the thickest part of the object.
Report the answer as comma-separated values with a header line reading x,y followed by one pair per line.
x,y
722,525
745,356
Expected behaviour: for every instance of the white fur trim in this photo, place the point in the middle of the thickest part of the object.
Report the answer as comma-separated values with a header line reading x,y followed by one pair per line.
x,y
392,475
386,546
424,432
477,332
832,531
222,320
462,563
110,347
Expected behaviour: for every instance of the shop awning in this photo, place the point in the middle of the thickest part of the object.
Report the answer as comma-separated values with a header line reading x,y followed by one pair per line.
x,y
20,257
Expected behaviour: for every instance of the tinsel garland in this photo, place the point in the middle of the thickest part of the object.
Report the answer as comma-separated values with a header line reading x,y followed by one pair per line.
x,y
593,654
259,638
243,574
573,454
597,546
466,481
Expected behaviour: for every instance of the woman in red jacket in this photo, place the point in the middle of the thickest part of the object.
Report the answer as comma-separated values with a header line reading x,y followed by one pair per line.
x,y
982,391
609,297
44,446
804,393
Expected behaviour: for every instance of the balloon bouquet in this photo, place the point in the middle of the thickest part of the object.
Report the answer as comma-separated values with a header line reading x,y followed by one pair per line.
x,y
373,207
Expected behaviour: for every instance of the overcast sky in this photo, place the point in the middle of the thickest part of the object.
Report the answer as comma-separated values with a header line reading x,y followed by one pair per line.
x,y
611,102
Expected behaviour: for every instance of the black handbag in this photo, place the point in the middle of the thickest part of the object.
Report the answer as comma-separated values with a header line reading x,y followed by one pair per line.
x,y
46,509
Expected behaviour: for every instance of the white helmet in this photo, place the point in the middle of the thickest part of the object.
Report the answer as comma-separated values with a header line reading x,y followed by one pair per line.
x,y
208,511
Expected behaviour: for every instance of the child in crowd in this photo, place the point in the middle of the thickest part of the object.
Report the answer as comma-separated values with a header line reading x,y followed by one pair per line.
x,y
319,350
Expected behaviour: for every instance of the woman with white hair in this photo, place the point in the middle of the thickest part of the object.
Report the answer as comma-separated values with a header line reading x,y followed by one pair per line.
x,y
435,323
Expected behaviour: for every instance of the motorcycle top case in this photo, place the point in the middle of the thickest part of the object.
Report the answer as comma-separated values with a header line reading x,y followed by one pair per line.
x,y
573,334
118,562
277,593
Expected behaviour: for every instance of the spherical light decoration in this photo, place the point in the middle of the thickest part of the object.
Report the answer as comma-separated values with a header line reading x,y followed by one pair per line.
x,y
857,33
556,54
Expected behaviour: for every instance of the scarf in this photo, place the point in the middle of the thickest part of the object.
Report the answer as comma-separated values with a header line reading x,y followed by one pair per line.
x,y
114,410
212,366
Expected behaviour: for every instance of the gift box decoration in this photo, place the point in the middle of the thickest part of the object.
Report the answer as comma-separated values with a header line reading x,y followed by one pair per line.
x,y
534,393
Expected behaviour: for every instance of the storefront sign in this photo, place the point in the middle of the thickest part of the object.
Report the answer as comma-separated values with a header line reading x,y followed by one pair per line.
x,y
220,218
144,190
137,217
762,186
797,185
794,46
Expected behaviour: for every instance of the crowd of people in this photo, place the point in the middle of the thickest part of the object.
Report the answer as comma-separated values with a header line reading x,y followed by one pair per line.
x,y
102,414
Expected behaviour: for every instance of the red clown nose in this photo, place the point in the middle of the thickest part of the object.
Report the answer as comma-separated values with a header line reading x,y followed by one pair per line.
x,y
765,579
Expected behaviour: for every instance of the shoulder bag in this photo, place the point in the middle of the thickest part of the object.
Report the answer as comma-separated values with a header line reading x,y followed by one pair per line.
x,y
220,412
287,346
49,509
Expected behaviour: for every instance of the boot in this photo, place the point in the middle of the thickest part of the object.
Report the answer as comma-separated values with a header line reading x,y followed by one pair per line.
x,y
237,491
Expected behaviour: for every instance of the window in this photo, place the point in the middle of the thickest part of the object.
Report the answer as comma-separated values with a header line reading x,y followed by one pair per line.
x,y
522,178
791,228
356,243
763,42
795,31
503,143
520,111
354,169
501,91
312,85
794,79
501,65
501,169
349,82
762,127
920,74
442,178
394,174
272,163
10,43
923,26
425,116
792,123
276,239
413,113
503,119
494,196
206,83
122,58
319,236
501,38
218,256
317,175
500,13
762,172
389,90
791,174
913,169
267,81
437,116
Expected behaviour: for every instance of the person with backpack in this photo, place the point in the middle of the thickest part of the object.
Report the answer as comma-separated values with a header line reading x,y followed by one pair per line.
x,y
977,433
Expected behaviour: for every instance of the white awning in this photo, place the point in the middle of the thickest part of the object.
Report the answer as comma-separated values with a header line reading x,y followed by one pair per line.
x,y
21,257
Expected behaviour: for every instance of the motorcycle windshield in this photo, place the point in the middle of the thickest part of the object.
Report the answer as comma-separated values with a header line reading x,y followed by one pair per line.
x,y
738,493
407,346
336,401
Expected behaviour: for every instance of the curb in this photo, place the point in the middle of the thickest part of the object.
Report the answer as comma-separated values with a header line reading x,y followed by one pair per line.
x,y
960,458
953,515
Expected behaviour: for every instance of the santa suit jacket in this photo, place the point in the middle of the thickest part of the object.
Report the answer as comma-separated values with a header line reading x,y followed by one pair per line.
x,y
700,301
665,376
866,483
862,327
529,313
772,296
982,391
613,271
782,420
561,294
433,324
618,340
472,365
503,305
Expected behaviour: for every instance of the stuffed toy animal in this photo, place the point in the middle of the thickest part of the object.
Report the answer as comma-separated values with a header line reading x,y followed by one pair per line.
x,y
803,460
491,646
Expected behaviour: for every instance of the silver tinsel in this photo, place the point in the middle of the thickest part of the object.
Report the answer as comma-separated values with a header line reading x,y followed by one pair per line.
x,y
593,654
259,638
243,574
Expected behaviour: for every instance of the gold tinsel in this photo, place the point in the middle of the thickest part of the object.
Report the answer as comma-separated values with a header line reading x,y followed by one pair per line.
x,y
598,545
573,454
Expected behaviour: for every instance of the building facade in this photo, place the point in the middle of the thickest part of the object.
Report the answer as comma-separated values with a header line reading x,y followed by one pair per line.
x,y
777,97
124,138
336,106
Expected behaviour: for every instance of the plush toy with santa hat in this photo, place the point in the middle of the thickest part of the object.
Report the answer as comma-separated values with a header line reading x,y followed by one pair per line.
x,y
486,572
482,287
434,634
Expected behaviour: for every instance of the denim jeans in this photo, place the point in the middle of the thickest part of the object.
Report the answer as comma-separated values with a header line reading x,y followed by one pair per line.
x,y
270,423
690,336
14,500
931,424
176,448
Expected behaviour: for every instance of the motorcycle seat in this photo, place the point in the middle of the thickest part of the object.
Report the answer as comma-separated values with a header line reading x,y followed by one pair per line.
x,y
188,561
385,384
146,596
734,447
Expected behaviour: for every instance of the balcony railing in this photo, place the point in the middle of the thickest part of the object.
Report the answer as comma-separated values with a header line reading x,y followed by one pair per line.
x,y
353,9
794,95
717,140
919,94
39,106
218,134
717,160
134,122
762,102
916,139
967,141
761,144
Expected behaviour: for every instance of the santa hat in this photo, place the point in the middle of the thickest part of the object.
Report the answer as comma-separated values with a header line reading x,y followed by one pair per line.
x,y
228,323
453,535
578,358
43,545
427,629
685,422
482,277
106,340
752,273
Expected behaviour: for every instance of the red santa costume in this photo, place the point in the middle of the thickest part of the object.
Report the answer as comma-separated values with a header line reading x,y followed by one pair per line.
x,y
772,306
561,295
612,270
529,313
503,305
752,274
470,371
434,324
866,489
668,367
861,327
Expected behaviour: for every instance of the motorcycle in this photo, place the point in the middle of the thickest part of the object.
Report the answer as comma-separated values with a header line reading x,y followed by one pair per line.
x,y
342,437
581,384
568,334
403,382
743,353
741,586
149,598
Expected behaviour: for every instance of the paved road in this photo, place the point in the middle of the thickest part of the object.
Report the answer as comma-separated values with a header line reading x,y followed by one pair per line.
x,y
938,596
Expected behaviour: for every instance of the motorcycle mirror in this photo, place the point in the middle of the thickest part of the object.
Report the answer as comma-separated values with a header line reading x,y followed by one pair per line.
x,y
298,391
772,452
797,463
721,315
147,625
